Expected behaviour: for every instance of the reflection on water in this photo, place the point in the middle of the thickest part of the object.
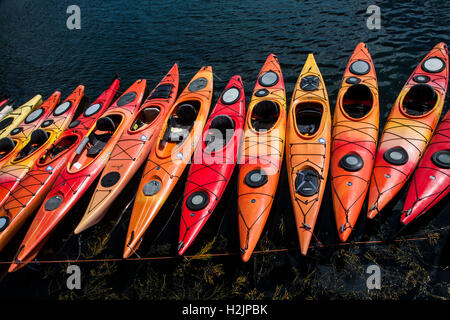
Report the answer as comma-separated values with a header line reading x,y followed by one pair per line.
x,y
142,40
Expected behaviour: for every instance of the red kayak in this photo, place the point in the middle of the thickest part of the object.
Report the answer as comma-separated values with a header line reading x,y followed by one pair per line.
x,y
3,102
431,180
213,162
82,168
30,192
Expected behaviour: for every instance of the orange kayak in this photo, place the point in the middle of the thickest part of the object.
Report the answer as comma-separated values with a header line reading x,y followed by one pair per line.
x,y
409,128
308,135
261,154
132,149
354,141
20,136
179,136
41,139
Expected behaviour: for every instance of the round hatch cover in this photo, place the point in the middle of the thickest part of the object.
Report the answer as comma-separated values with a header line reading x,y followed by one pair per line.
x,y
198,84
351,162
231,96
307,182
268,79
197,200
433,65
256,178
441,159
360,67
396,156
62,108
152,187
309,83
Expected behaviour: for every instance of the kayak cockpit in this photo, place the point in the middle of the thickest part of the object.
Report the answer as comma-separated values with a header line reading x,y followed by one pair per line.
x,y
38,138
58,149
308,117
357,101
6,146
93,145
180,124
265,115
220,132
420,99
145,117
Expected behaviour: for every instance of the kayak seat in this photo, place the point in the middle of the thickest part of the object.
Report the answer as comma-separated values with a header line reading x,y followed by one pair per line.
x,y
308,117
357,101
106,124
37,139
181,123
6,146
146,116
419,100
217,136
265,114
99,141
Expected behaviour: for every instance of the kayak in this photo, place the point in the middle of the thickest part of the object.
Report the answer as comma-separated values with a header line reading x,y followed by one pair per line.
x,y
16,169
132,149
16,116
409,128
20,136
5,110
261,154
3,103
354,139
308,135
431,180
30,192
170,154
213,162
85,164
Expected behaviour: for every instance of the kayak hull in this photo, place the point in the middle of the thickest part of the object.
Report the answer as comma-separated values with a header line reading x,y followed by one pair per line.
x,y
211,171
410,133
354,135
167,160
308,152
431,180
261,154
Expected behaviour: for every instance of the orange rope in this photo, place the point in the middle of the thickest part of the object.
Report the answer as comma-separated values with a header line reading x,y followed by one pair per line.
x,y
210,255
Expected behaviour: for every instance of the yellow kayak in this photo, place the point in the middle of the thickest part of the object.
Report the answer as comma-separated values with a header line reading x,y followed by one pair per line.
x,y
14,118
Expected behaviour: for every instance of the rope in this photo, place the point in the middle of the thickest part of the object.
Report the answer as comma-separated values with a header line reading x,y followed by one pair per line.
x,y
224,254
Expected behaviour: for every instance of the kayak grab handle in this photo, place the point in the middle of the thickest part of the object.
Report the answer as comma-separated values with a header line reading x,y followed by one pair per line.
x,y
83,144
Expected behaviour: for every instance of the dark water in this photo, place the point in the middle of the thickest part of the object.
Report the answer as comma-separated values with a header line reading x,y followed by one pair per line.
x,y
142,39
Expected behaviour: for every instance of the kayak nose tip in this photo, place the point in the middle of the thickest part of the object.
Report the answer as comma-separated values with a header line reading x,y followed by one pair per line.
x,y
127,253
343,236
14,267
245,255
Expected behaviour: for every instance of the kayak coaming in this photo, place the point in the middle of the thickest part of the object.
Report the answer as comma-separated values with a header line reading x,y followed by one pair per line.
x,y
19,114
166,163
412,133
25,129
15,170
254,204
130,153
430,183
30,193
308,152
353,136
210,171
